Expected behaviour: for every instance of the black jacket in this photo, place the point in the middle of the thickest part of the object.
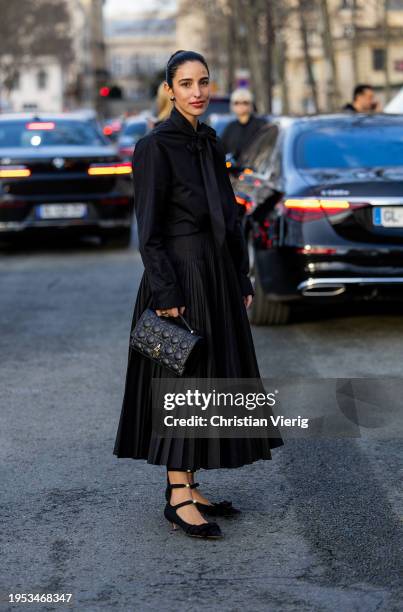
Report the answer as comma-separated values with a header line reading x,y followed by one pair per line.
x,y
170,200
349,107
238,136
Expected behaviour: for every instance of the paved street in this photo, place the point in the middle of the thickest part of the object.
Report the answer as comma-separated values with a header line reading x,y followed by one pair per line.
x,y
320,525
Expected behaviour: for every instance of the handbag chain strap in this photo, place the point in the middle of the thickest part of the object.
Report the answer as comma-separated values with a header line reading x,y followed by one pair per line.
x,y
186,323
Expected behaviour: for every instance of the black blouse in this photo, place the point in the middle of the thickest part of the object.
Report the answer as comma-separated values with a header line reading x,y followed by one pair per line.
x,y
170,199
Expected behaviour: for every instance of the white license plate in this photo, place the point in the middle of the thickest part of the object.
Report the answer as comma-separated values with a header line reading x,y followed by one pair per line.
x,y
388,216
62,211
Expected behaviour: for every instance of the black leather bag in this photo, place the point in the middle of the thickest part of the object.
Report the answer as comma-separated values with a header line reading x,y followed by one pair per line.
x,y
165,341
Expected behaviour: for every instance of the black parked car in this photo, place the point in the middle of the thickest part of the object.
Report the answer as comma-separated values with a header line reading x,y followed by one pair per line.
x,y
133,129
322,199
60,172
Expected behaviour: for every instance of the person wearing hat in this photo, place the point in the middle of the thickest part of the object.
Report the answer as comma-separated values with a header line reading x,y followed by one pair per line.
x,y
239,133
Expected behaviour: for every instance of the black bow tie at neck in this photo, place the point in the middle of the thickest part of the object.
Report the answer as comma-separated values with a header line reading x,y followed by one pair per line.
x,y
199,141
212,189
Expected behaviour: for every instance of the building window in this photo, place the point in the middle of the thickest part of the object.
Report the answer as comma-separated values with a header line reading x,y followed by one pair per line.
x,y
134,63
117,66
348,4
378,59
42,79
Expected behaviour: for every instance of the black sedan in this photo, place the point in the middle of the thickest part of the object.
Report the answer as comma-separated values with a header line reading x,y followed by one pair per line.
x,y
322,205
132,130
60,172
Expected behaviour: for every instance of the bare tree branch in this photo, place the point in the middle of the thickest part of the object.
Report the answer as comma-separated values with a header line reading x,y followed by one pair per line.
x,y
31,29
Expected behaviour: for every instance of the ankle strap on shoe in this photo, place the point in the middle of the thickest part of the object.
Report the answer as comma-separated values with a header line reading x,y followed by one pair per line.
x,y
185,503
180,485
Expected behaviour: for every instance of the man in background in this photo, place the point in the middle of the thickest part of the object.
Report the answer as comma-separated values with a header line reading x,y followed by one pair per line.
x,y
364,100
239,133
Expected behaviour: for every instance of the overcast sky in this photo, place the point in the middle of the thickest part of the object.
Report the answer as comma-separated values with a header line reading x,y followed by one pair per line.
x,y
113,8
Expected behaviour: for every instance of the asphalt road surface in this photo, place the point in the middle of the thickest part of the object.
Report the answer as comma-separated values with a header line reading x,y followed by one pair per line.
x,y
320,529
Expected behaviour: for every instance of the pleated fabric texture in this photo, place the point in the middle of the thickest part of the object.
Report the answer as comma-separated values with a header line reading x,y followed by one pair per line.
x,y
215,308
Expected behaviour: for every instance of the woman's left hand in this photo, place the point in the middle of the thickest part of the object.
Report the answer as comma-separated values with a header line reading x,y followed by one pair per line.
x,y
247,300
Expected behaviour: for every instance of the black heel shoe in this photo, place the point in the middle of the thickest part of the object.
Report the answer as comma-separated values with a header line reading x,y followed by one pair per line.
x,y
223,508
208,530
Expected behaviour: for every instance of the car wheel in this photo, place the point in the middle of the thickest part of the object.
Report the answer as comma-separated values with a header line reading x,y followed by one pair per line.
x,y
118,239
263,311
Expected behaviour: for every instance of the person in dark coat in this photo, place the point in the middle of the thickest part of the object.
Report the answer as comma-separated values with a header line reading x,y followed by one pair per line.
x,y
239,134
195,263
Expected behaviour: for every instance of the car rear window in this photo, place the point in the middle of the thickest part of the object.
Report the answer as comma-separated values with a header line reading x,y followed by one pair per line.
x,y
352,146
54,133
135,131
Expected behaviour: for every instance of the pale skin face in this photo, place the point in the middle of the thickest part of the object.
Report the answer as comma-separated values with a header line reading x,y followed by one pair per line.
x,y
191,90
243,109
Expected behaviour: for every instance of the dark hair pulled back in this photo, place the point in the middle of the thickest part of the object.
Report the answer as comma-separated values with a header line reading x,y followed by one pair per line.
x,y
177,59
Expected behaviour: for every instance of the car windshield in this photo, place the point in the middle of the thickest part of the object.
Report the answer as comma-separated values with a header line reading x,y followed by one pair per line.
x,y
49,134
352,146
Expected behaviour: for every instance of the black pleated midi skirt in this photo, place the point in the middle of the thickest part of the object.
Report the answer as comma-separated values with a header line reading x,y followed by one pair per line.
x,y
215,308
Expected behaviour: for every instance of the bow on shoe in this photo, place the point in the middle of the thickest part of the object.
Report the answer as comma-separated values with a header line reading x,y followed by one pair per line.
x,y
224,508
204,530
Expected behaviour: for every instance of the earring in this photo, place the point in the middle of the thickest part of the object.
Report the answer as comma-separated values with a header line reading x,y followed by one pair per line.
x,y
172,99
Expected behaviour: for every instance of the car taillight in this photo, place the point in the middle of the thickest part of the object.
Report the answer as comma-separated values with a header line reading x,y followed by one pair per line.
x,y
314,250
12,203
122,201
308,209
114,168
110,128
247,203
40,125
262,235
126,151
14,171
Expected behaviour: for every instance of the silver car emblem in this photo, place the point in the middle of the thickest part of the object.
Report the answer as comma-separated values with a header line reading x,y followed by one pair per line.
x,y
58,162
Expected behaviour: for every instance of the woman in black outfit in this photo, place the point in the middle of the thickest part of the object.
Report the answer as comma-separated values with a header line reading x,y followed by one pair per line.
x,y
196,263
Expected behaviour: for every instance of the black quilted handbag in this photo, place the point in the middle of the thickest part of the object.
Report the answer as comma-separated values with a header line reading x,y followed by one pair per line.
x,y
165,341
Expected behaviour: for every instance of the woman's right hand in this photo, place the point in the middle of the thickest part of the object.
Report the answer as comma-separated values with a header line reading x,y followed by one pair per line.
x,y
170,312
